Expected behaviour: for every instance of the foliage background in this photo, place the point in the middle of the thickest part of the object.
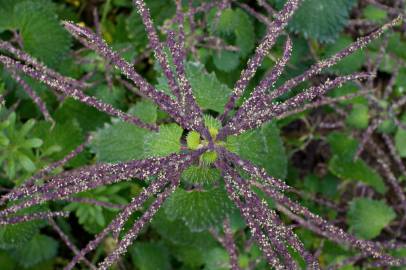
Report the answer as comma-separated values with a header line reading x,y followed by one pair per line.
x,y
317,161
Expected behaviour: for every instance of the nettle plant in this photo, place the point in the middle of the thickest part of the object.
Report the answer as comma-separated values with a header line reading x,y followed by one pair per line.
x,y
198,165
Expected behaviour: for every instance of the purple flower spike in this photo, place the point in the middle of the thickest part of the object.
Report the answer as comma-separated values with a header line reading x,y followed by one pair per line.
x,y
255,229
30,217
130,236
230,246
69,90
320,226
80,180
180,85
165,102
266,110
24,57
154,188
262,50
22,190
317,68
253,170
116,225
156,45
275,230
249,108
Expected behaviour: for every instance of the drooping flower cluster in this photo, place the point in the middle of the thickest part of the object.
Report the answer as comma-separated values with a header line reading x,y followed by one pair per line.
x,y
273,237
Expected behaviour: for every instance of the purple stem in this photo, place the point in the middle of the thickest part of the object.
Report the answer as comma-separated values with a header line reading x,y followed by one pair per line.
x,y
37,100
68,243
229,245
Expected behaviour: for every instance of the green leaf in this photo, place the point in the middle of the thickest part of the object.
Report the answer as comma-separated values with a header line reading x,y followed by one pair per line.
x,y
208,158
40,30
358,170
114,96
358,117
201,175
11,168
235,26
207,89
400,139
178,233
16,235
93,217
7,262
238,23
368,217
26,162
217,259
374,13
146,110
342,163
88,117
33,143
119,142
90,216
150,256
4,141
211,122
321,19
342,145
164,142
226,60
396,45
387,126
7,9
264,147
40,248
191,256
26,128
66,135
199,209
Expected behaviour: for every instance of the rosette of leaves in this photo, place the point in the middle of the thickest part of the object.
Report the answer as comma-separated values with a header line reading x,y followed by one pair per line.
x,y
16,148
154,144
95,217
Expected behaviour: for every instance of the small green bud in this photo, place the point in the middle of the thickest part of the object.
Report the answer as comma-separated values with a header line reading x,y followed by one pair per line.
x,y
193,140
213,132
208,157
